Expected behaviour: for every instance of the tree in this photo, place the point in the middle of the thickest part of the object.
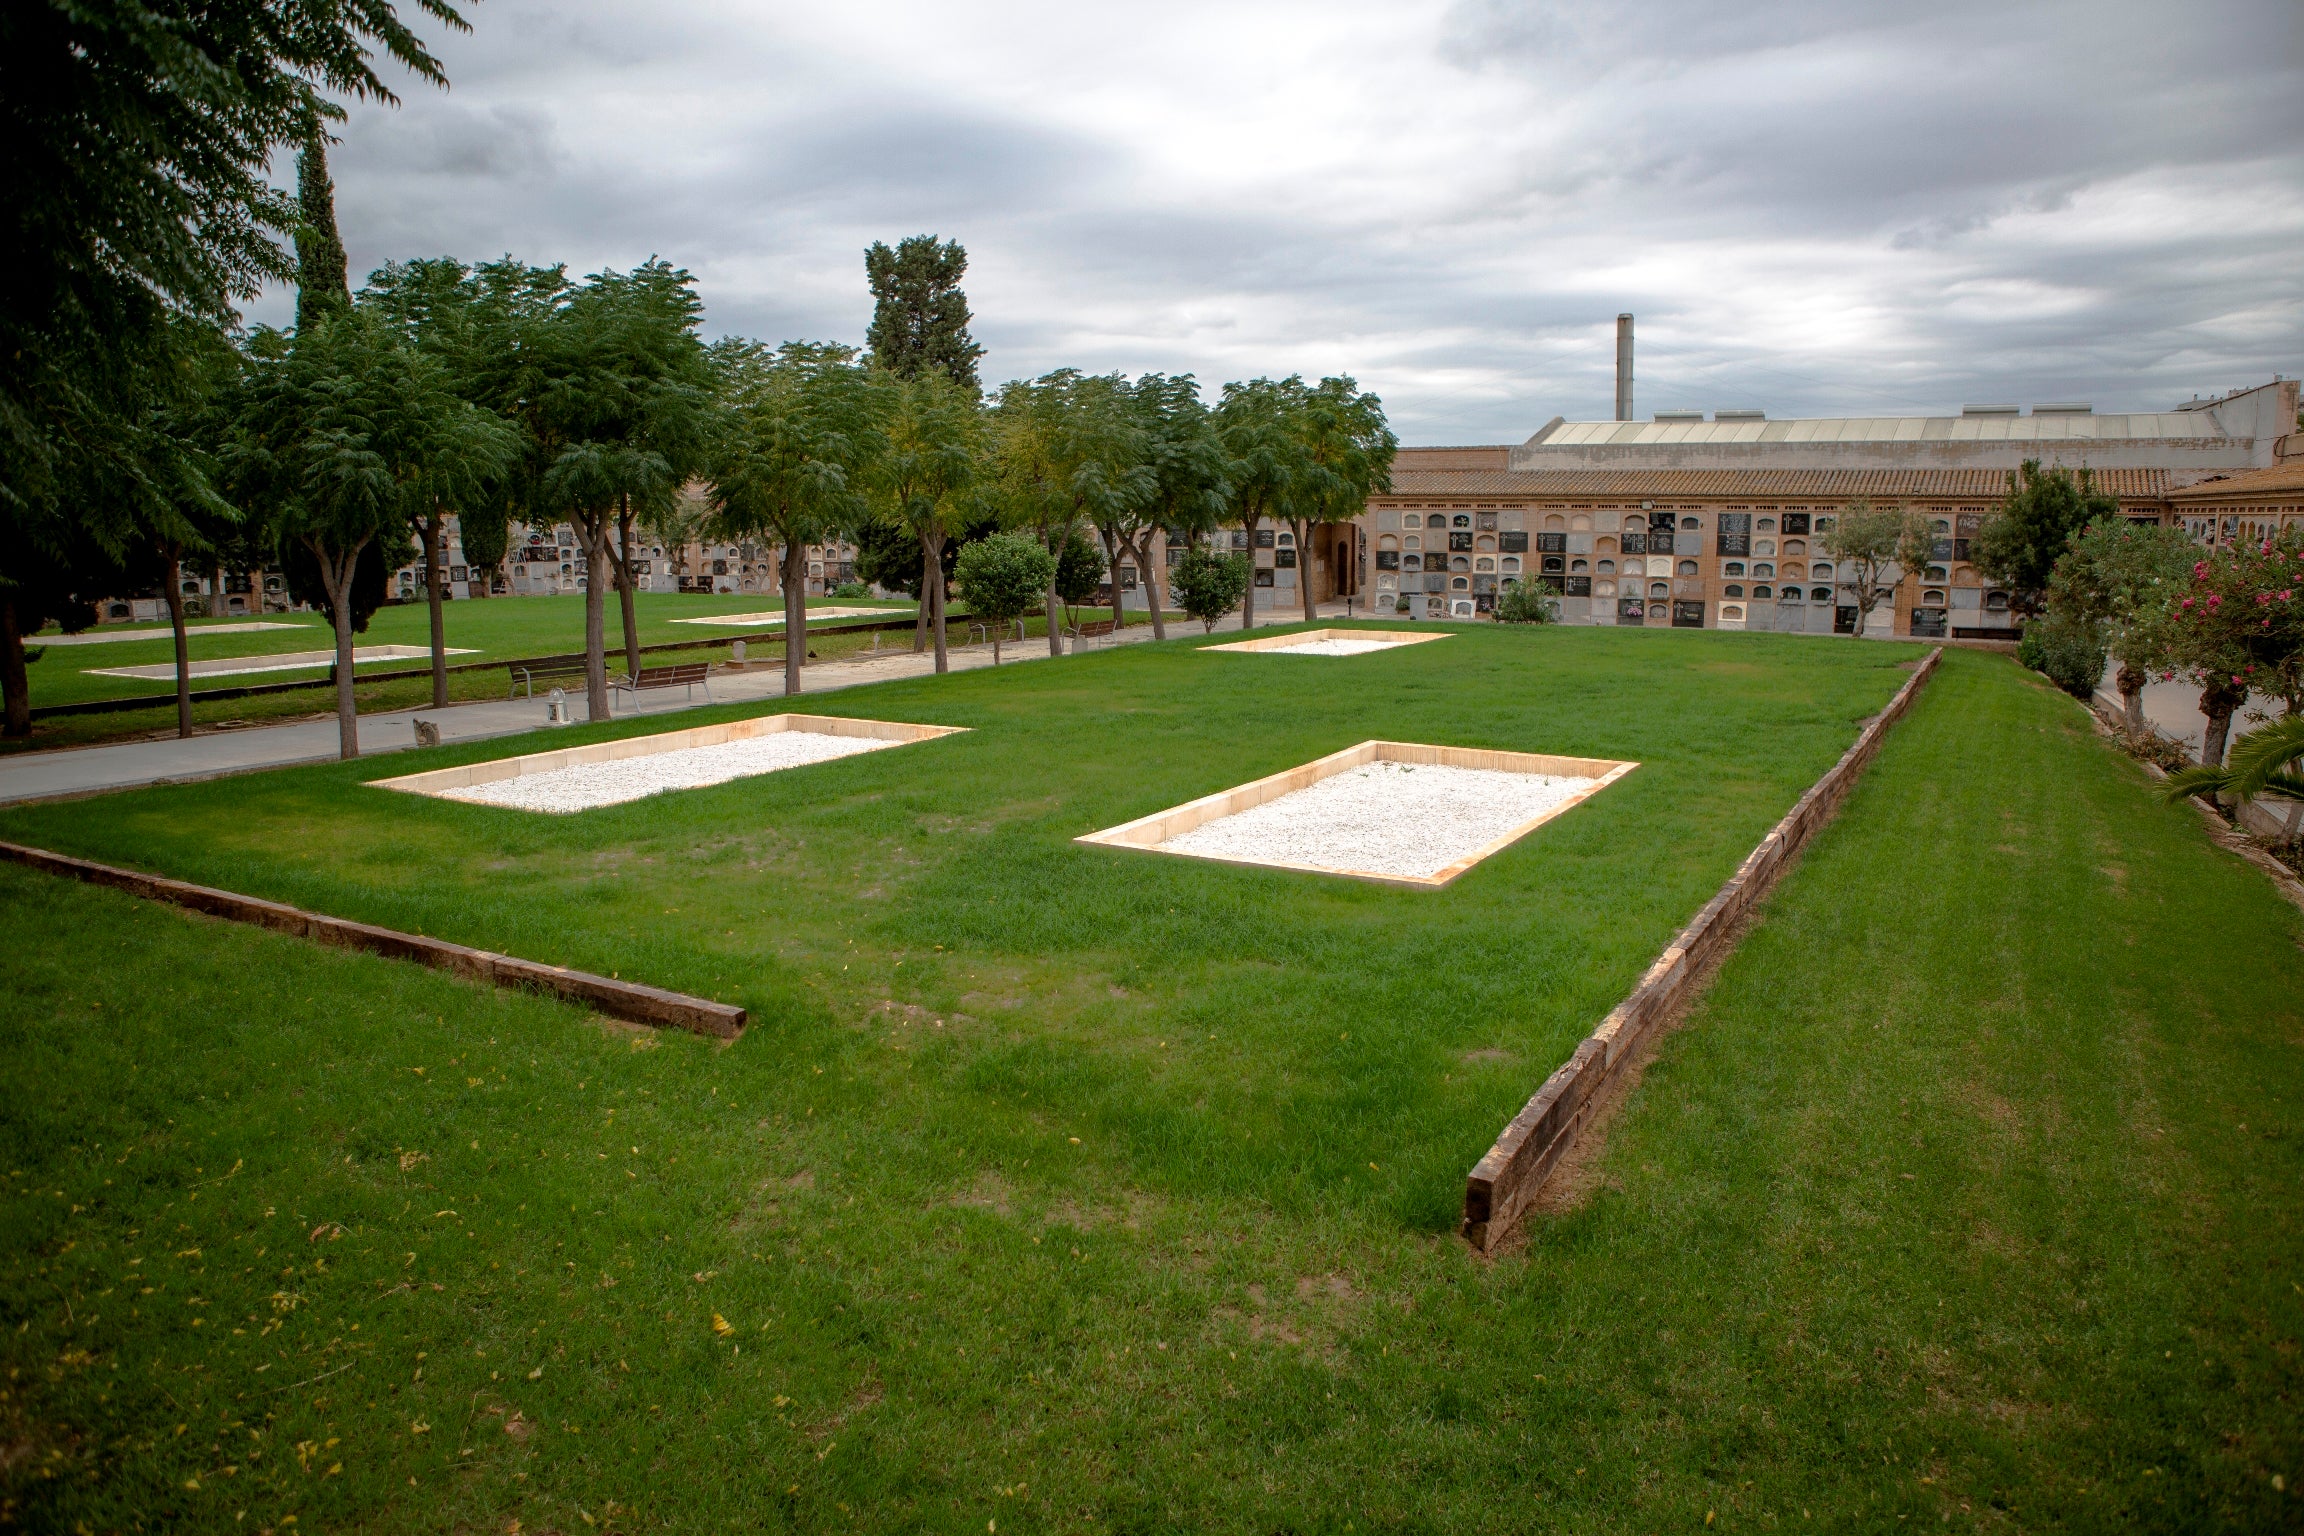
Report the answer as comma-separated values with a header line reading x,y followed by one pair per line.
x,y
919,313
323,283
1189,490
2266,761
930,443
1208,585
46,584
1262,460
796,441
1874,548
1068,450
2120,577
334,438
138,136
2019,545
1001,578
2237,627
1345,457
1080,571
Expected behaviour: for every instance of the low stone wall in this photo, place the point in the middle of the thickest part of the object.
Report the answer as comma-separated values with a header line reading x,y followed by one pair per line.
x,y
618,999
1502,1184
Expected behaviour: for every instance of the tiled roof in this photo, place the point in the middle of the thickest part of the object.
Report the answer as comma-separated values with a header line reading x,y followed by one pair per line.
x,y
2288,477
1743,484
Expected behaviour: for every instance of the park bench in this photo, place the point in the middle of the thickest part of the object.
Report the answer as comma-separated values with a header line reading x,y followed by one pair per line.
x,y
525,678
686,674
981,634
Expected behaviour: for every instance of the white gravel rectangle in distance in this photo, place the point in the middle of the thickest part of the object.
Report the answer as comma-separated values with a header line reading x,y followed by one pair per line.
x,y
1336,648
586,785
1383,818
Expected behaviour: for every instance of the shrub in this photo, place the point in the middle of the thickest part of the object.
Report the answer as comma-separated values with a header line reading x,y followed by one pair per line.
x,y
1522,603
851,589
2066,651
1207,585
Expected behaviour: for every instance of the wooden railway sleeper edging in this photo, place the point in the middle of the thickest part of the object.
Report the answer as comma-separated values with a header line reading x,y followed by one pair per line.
x,y
1504,1183
631,1001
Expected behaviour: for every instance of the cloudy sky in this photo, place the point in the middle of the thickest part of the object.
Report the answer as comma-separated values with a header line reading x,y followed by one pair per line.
x,y
1817,207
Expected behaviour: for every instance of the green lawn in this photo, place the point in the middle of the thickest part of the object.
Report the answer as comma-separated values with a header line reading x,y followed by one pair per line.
x,y
490,629
1964,1198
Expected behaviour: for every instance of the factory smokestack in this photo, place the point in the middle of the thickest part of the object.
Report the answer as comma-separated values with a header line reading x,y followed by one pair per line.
x,y
1624,367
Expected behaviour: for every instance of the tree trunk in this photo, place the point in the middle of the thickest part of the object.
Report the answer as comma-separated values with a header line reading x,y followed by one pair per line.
x,y
624,585
338,574
2218,701
795,613
592,532
2131,681
932,593
1248,598
183,649
431,529
221,607
1302,530
1151,575
1114,548
14,685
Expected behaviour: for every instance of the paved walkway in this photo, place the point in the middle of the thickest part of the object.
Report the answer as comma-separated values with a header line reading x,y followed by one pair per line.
x,y
124,765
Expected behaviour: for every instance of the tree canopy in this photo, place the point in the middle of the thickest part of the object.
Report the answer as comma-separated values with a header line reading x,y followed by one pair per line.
x,y
2019,545
919,313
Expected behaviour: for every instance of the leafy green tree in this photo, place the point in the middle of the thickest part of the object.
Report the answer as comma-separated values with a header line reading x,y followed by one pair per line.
x,y
1030,477
674,526
335,437
2122,577
791,459
2044,510
1208,585
1068,451
1002,578
1189,489
1873,549
919,313
430,303
1079,572
929,450
323,281
1263,460
1344,458
138,138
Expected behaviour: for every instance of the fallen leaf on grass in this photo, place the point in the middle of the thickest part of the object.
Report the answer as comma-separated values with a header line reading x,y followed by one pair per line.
x,y
722,1326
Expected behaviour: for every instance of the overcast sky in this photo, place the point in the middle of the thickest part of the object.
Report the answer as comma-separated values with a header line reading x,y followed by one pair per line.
x,y
1817,207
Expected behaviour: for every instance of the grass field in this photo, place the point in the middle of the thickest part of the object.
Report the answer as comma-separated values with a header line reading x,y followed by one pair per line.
x,y
491,629
1063,1190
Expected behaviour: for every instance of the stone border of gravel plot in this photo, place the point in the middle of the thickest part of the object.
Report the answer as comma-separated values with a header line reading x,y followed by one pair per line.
x,y
1152,834
456,783
1504,1183
1303,641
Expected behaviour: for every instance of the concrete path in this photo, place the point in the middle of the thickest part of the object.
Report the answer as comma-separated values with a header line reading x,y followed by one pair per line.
x,y
125,765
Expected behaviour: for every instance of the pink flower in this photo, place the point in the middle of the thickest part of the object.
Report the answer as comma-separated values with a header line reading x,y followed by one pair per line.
x,y
2187,602
2214,601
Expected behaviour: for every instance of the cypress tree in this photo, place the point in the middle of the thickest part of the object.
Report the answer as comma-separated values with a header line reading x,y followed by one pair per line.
x,y
323,281
919,314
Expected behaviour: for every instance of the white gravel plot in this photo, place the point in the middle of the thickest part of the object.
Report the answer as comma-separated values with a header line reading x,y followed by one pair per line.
x,y
1336,648
591,784
1384,818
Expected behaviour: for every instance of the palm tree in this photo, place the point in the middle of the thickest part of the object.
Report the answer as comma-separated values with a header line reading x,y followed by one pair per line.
x,y
2266,761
